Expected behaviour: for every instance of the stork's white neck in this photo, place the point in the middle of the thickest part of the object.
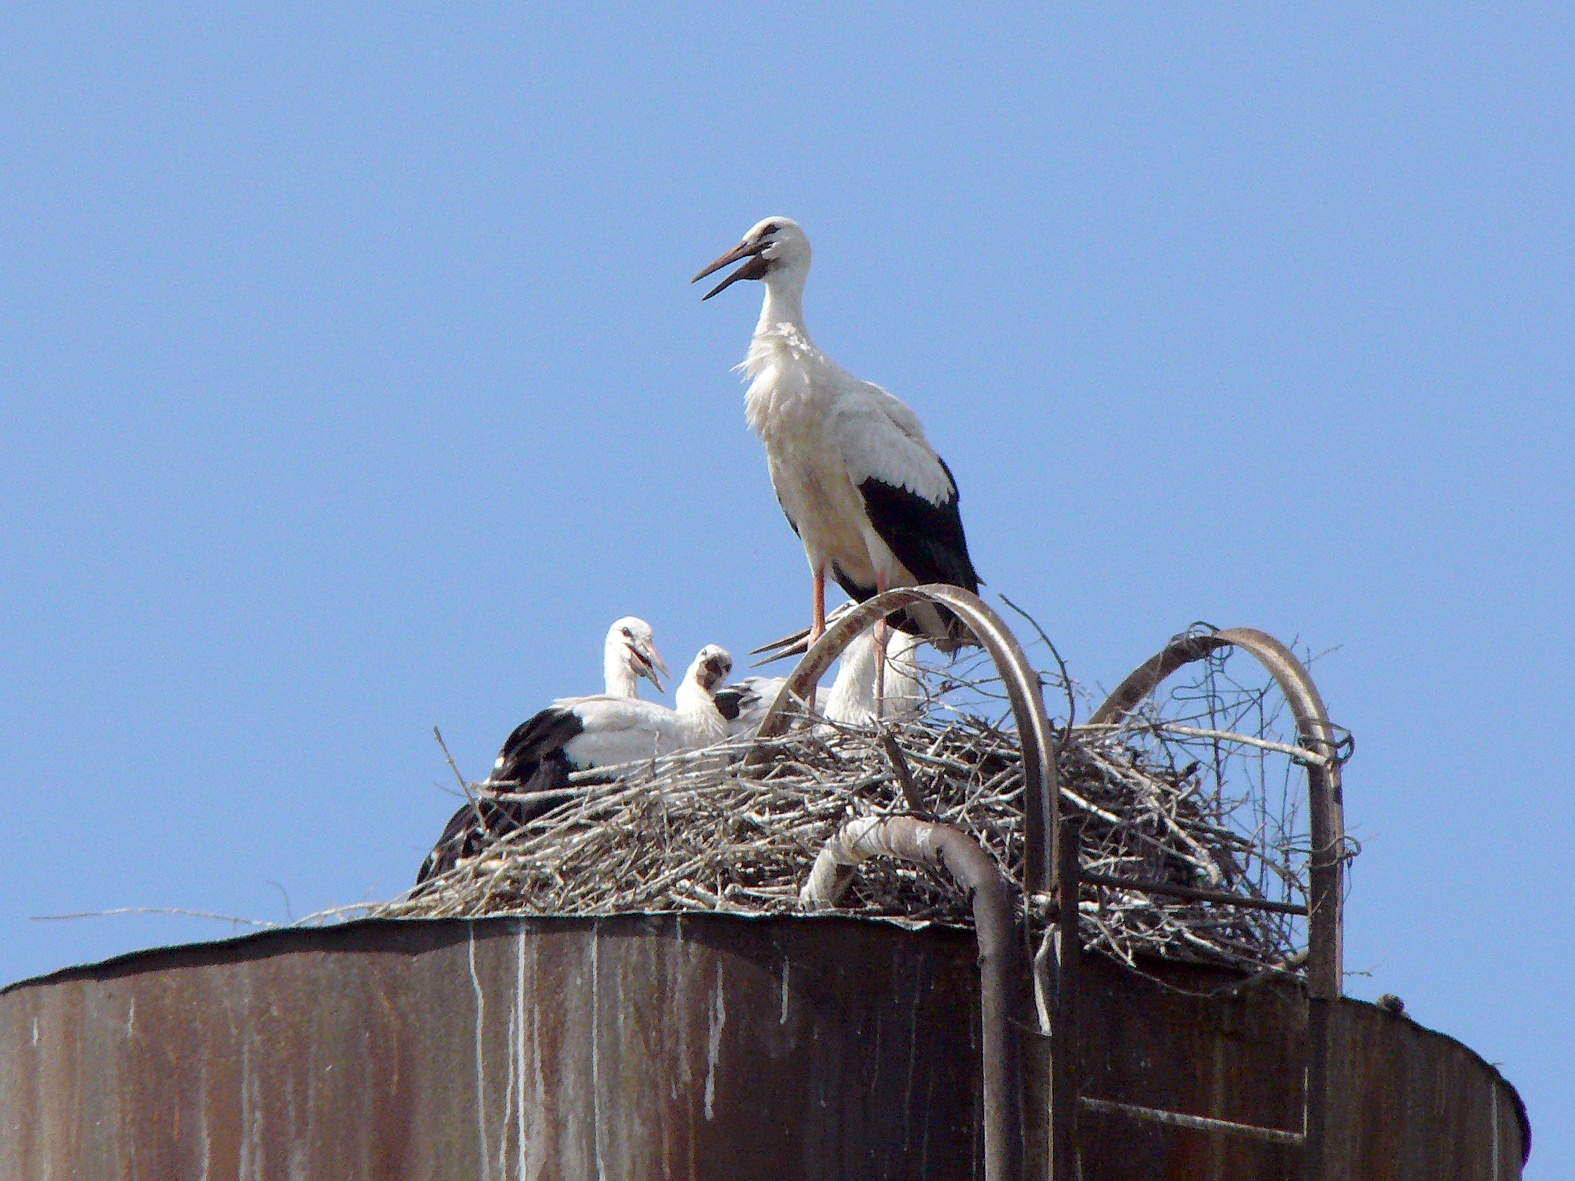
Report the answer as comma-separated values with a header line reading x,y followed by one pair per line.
x,y
698,709
620,678
784,302
617,668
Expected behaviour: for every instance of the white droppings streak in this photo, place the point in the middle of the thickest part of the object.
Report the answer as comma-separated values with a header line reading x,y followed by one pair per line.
x,y
131,1017
517,1067
35,1031
1494,1087
298,1147
714,1040
538,1110
596,1049
250,1165
786,964
508,1098
202,1119
682,1006
481,1077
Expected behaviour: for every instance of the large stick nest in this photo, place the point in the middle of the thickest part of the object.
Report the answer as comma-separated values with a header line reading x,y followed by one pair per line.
x,y
699,832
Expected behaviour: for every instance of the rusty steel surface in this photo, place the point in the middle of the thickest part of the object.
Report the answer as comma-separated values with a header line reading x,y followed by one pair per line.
x,y
621,1047
1415,1105
707,1046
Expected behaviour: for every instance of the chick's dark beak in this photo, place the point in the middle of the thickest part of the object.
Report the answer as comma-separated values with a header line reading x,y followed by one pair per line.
x,y
755,268
716,669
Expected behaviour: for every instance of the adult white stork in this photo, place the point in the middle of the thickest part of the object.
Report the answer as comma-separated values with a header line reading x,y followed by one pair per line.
x,y
579,734
851,700
873,503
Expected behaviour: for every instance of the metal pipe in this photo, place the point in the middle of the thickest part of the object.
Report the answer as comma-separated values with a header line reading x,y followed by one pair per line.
x,y
1041,791
942,846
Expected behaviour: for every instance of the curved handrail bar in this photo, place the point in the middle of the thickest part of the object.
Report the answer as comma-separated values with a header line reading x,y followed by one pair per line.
x,y
1041,789
1326,805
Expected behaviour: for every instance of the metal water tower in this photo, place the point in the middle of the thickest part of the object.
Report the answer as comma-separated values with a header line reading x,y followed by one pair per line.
x,y
708,1045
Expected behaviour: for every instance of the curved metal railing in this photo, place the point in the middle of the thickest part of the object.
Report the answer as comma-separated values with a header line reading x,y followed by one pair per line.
x,y
1326,871
1041,790
1044,856
1326,810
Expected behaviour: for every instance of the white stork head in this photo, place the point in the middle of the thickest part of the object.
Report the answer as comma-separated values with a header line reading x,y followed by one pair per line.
x,y
711,668
696,695
630,653
778,253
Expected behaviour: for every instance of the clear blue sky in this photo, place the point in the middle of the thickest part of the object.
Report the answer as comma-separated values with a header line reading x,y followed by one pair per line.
x,y
352,384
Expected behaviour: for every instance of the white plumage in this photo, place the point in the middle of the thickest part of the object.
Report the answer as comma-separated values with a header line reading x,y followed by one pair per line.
x,y
851,699
580,733
872,502
629,655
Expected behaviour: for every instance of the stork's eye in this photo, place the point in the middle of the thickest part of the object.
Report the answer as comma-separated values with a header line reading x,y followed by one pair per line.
x,y
627,634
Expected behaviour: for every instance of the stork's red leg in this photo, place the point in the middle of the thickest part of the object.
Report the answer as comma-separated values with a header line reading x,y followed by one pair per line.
x,y
817,627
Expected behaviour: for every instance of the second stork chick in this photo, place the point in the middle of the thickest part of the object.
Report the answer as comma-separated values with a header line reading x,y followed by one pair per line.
x,y
580,734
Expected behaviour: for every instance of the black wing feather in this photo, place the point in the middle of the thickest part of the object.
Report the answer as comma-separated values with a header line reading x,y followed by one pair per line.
x,y
480,823
926,537
532,760
732,700
532,742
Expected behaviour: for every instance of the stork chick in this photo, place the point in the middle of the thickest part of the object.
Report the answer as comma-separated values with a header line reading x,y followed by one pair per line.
x,y
578,734
852,698
629,655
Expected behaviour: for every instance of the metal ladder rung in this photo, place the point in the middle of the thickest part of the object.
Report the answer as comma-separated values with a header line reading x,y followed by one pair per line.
x,y
1203,1123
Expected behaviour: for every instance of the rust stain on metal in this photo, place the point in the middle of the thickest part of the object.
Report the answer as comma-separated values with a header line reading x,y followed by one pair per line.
x,y
618,1047
584,1048
1411,1104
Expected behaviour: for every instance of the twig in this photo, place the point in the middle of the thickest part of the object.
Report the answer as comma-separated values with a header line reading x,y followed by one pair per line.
x,y
463,786
1066,677
171,910
910,790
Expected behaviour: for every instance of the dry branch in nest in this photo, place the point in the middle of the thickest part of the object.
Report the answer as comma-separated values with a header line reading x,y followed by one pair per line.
x,y
695,832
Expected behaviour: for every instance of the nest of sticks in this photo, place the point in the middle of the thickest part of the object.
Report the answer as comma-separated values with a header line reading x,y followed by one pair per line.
x,y
701,832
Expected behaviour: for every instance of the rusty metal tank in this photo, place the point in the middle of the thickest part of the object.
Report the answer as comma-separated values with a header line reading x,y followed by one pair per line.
x,y
694,1046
